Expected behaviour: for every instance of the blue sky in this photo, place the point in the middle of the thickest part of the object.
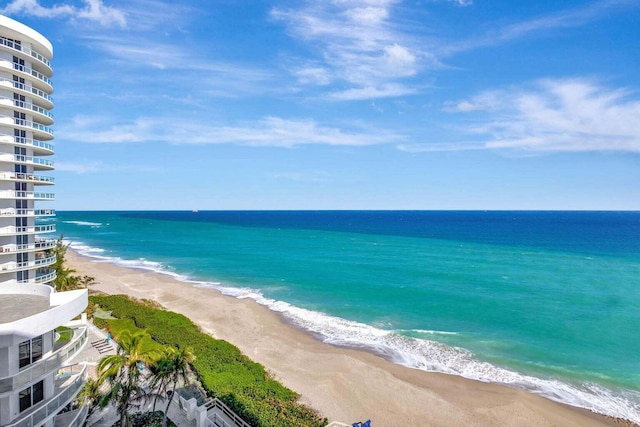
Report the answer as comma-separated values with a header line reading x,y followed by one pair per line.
x,y
343,104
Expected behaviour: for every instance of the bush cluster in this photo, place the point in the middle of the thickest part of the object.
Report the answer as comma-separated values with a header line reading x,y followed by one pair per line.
x,y
224,372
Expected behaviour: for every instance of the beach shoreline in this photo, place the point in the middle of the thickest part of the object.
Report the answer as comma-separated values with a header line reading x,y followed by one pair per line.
x,y
343,384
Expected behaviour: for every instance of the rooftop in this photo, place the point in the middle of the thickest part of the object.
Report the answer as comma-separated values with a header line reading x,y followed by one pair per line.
x,y
19,306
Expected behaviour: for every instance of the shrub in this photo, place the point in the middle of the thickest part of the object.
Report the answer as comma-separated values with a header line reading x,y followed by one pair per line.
x,y
242,384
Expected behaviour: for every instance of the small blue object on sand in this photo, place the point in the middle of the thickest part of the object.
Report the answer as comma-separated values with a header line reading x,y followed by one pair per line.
x,y
366,423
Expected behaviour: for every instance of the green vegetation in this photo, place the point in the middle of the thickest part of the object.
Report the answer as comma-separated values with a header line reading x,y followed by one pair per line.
x,y
123,372
245,386
64,334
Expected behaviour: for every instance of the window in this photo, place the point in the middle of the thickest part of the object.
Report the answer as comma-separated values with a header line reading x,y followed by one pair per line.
x,y
31,395
30,351
25,399
36,348
24,352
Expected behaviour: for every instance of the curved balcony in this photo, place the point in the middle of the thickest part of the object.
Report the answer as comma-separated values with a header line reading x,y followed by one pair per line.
x,y
36,78
25,52
39,245
11,267
42,98
39,148
27,177
29,213
66,387
73,418
39,130
36,162
40,114
29,195
48,364
47,276
29,229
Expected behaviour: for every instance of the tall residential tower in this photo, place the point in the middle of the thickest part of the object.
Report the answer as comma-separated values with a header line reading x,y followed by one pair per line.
x,y
38,379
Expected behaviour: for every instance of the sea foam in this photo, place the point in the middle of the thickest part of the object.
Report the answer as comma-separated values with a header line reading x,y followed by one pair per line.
x,y
85,223
416,353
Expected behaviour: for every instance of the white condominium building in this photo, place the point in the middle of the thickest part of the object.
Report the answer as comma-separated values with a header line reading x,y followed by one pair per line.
x,y
39,378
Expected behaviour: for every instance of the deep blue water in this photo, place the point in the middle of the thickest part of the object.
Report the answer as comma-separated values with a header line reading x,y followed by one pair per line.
x,y
546,301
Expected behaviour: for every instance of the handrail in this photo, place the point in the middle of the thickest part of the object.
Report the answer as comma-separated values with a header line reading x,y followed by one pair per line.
x,y
10,266
13,194
52,406
44,278
29,106
20,48
27,176
28,88
217,403
25,159
31,124
28,229
32,72
79,419
38,245
30,141
49,364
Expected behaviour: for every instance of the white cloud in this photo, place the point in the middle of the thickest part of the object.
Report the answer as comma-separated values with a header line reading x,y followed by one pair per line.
x,y
356,43
79,168
371,92
555,115
462,3
93,10
182,65
568,18
482,102
313,75
268,132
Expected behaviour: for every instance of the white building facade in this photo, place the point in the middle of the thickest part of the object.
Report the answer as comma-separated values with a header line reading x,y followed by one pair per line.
x,y
38,378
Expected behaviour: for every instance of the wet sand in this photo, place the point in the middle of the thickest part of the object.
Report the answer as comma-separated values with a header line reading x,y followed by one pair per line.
x,y
344,385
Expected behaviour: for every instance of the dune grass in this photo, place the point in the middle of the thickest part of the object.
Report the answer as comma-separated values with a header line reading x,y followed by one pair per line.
x,y
224,372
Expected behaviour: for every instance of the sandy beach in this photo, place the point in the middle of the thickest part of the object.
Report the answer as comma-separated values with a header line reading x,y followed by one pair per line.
x,y
342,384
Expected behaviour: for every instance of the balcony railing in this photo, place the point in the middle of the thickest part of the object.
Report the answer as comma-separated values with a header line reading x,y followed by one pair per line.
x,y
39,245
20,48
29,142
26,265
32,107
32,72
12,194
33,125
75,418
49,364
49,228
44,212
26,177
43,278
49,408
28,88
19,158
13,212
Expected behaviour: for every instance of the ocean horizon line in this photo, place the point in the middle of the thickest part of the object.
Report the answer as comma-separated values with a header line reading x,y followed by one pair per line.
x,y
195,210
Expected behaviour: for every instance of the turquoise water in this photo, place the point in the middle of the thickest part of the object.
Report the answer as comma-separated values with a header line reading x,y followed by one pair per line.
x,y
548,302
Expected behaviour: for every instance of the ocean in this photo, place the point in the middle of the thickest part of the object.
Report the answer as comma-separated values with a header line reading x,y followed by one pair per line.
x,y
545,301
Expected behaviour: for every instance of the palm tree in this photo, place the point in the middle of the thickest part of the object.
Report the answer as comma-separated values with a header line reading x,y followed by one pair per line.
x,y
64,280
123,371
174,365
